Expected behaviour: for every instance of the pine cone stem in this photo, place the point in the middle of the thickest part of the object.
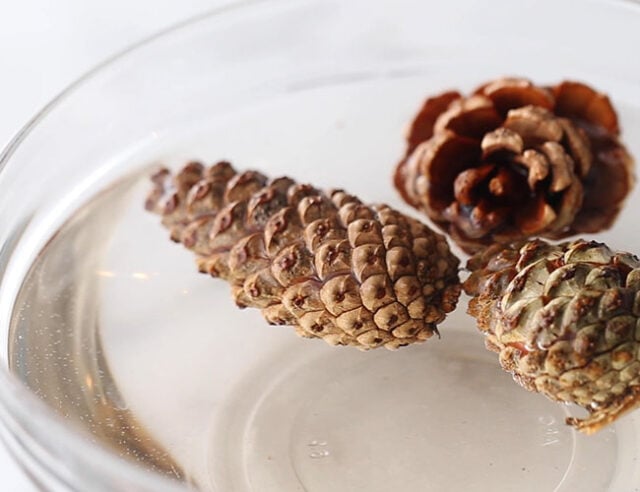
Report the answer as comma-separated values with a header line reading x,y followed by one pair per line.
x,y
324,262
598,420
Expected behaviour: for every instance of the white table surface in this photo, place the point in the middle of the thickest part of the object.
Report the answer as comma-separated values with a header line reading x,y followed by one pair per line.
x,y
45,45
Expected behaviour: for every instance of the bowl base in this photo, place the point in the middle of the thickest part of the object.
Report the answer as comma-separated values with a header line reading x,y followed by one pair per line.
x,y
379,421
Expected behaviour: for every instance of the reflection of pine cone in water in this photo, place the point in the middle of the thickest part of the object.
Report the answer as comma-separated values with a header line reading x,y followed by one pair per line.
x,y
515,160
563,319
325,263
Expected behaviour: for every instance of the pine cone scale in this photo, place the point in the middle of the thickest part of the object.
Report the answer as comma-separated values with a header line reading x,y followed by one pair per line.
x,y
422,127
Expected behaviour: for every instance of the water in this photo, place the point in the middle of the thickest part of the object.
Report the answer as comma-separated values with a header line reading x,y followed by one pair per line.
x,y
123,338
117,332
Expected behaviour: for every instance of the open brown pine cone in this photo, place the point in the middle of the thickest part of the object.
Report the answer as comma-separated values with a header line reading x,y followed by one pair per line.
x,y
323,262
516,160
564,320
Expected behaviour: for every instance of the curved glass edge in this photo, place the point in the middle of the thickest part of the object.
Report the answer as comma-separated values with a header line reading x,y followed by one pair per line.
x,y
22,411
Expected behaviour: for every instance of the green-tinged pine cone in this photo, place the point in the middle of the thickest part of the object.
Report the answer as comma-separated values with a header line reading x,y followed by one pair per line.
x,y
323,262
565,321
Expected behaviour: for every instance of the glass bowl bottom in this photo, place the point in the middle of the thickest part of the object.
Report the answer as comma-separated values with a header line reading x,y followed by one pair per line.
x,y
442,418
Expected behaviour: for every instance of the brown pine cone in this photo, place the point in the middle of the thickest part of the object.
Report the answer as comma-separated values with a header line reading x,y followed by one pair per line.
x,y
564,320
515,160
332,267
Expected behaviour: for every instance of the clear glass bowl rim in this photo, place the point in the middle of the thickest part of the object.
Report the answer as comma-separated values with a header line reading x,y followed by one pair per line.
x,y
20,410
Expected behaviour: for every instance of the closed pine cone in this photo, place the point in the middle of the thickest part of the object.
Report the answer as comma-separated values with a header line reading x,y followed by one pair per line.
x,y
335,269
563,319
516,160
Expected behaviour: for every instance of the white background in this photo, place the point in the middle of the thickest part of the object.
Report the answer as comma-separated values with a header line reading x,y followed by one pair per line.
x,y
44,46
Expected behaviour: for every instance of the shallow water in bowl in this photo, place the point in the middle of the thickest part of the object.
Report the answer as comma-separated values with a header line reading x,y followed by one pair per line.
x,y
115,330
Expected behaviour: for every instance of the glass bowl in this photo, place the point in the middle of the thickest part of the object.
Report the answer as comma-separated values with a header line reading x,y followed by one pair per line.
x,y
125,370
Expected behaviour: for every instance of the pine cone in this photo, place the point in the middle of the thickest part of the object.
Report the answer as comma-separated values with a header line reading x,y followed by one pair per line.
x,y
514,160
336,269
563,319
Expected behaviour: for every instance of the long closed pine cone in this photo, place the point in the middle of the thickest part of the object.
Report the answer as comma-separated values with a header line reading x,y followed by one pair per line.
x,y
516,160
564,320
332,267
